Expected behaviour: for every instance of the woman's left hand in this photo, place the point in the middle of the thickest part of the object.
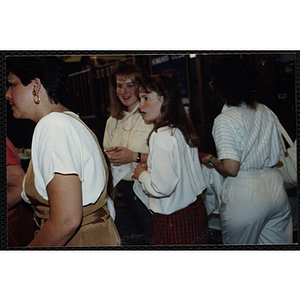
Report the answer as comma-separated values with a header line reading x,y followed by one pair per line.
x,y
120,155
226,167
140,168
205,161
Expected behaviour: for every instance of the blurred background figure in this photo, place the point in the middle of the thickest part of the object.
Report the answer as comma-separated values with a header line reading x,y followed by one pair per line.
x,y
15,175
20,224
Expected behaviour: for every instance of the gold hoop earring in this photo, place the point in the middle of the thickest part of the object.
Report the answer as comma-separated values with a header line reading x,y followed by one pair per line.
x,y
36,97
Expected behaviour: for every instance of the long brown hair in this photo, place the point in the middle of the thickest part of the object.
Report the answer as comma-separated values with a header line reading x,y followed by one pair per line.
x,y
172,111
126,69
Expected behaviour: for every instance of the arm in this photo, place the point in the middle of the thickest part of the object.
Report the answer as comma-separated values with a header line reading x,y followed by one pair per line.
x,y
15,175
228,140
162,180
139,169
121,155
226,167
65,200
118,155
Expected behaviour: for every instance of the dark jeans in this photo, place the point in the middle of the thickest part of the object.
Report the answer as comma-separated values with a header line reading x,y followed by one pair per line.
x,y
133,219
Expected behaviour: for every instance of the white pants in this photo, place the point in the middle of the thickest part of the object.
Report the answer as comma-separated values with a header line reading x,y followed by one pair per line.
x,y
255,209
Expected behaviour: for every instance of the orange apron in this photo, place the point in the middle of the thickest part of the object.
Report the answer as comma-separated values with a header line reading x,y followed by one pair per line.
x,y
97,226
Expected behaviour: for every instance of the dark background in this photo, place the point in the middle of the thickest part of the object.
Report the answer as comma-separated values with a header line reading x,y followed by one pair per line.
x,y
275,87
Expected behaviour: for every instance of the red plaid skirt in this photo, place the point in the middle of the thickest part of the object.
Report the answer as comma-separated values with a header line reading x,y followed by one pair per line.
x,y
188,226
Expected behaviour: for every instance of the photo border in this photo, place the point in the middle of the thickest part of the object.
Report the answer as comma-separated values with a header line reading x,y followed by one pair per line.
x,y
3,132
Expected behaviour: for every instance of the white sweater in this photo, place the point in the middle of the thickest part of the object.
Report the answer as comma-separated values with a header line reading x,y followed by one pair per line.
x,y
174,177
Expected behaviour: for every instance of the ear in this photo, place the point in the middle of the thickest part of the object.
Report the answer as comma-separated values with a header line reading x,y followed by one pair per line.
x,y
160,98
36,85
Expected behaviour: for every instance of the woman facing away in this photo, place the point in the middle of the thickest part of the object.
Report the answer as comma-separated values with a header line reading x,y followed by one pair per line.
x,y
125,142
67,178
255,207
171,183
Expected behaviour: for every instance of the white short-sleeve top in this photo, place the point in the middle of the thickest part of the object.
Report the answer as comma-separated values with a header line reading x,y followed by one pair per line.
x,y
249,136
61,144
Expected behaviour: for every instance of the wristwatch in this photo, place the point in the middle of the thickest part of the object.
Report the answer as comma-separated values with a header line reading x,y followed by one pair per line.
x,y
138,159
209,161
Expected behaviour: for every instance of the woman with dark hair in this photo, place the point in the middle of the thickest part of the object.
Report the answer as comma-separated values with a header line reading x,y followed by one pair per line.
x,y
67,180
125,143
171,183
255,207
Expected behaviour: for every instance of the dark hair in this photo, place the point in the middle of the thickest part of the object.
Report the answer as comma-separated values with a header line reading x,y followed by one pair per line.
x,y
49,69
127,69
173,113
233,81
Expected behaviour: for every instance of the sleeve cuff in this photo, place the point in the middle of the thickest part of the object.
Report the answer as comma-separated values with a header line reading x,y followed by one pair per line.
x,y
143,176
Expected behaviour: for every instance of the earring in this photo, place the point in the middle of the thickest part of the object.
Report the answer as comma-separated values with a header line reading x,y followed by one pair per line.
x,y
36,97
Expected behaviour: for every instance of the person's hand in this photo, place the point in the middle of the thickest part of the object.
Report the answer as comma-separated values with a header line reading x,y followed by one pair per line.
x,y
140,168
205,161
120,155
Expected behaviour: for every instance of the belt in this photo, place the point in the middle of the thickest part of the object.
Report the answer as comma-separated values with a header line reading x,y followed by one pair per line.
x,y
99,215
254,173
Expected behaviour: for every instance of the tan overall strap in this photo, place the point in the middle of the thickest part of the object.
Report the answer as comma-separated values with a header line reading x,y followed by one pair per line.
x,y
39,204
